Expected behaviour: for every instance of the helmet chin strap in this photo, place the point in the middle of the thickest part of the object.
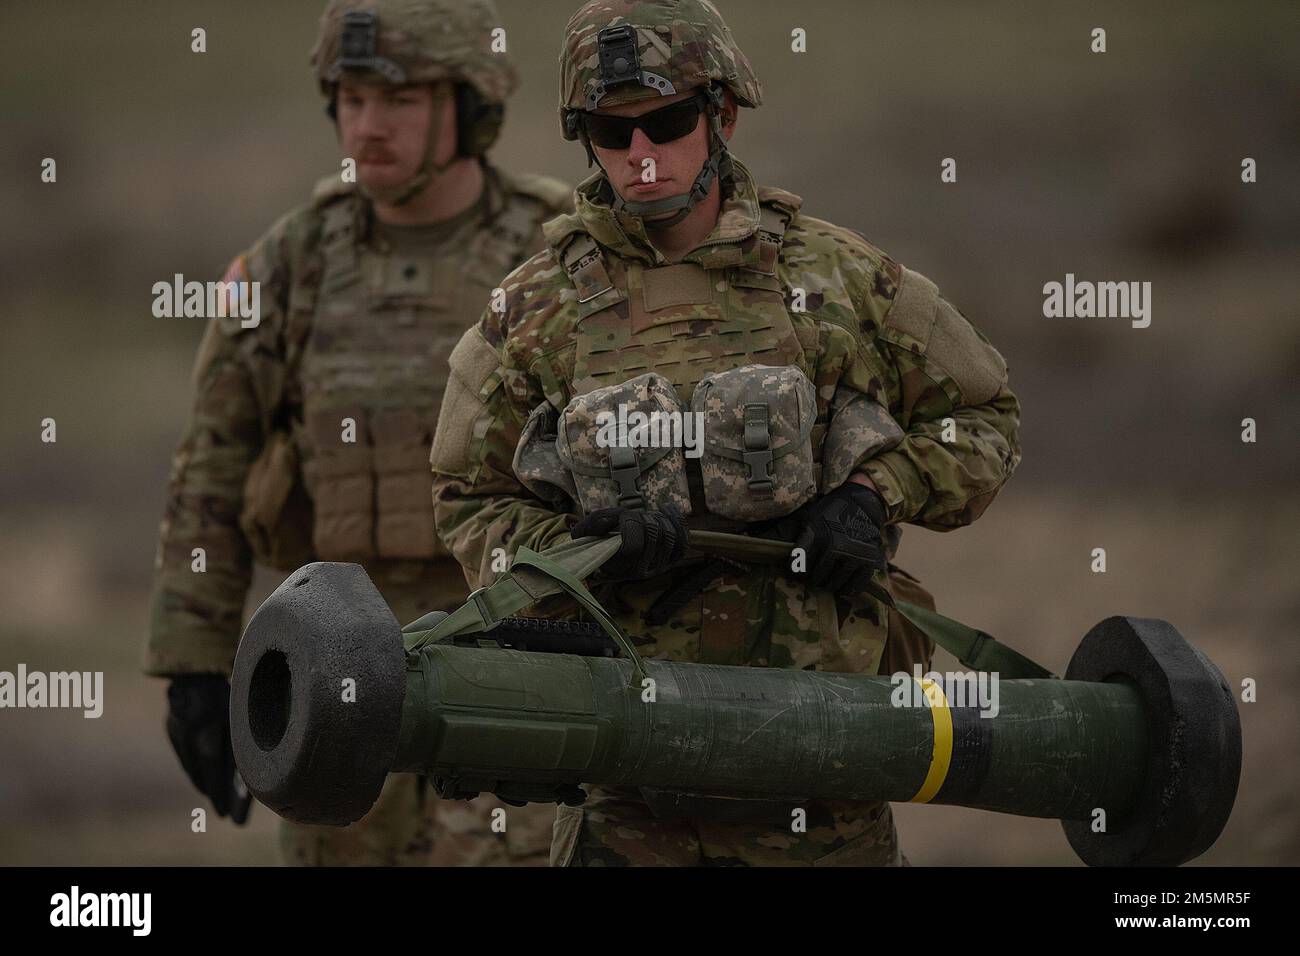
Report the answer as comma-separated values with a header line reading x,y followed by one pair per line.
x,y
717,165
403,193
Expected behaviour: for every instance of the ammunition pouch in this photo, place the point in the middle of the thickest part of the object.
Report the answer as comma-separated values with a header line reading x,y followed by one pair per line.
x,y
373,496
276,517
619,446
404,524
342,486
612,468
758,420
537,463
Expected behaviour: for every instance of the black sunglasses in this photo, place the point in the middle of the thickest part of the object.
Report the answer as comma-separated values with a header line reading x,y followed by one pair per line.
x,y
662,125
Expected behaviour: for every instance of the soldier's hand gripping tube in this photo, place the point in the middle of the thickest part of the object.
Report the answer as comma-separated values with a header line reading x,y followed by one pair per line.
x,y
651,541
198,726
841,539
1138,749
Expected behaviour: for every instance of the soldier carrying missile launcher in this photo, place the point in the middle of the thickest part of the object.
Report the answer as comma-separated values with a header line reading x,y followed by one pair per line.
x,y
823,368
659,749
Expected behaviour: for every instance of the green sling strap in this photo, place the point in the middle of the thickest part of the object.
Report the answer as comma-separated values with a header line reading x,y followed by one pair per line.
x,y
973,648
534,576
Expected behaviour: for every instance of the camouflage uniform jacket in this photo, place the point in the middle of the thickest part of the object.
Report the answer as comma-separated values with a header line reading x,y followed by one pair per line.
x,y
842,311
352,327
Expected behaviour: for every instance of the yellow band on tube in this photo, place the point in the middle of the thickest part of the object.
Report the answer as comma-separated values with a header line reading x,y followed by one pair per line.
x,y
941,755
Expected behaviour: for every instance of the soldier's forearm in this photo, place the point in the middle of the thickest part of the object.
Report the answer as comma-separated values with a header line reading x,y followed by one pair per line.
x,y
203,573
204,564
862,478
946,472
195,618
483,531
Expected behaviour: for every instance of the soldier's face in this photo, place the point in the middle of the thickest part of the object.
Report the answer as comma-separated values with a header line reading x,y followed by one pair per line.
x,y
385,129
647,170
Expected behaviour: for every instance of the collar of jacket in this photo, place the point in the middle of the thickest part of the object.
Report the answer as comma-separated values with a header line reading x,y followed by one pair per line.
x,y
730,243
493,199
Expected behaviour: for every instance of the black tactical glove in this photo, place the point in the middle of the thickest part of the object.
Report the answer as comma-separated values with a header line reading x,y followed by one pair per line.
x,y
841,539
653,541
198,724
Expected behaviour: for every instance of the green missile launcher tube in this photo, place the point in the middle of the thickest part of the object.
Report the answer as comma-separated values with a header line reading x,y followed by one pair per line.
x,y
1142,736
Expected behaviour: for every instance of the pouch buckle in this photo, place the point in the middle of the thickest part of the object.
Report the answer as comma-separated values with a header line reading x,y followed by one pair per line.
x,y
758,448
625,471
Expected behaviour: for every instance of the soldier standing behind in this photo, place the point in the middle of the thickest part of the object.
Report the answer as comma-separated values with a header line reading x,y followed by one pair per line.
x,y
826,374
310,433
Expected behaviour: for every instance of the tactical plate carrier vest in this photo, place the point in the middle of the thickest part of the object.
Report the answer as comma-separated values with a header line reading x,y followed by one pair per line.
x,y
715,336
715,340
376,327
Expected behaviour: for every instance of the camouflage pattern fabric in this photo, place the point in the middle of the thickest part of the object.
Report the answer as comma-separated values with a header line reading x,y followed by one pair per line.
x,y
848,288
589,452
615,827
859,430
684,41
429,40
763,410
762,255
397,831
244,384
410,826
537,460
364,354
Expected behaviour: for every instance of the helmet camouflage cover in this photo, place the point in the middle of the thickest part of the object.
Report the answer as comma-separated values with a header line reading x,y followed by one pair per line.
x,y
414,41
679,44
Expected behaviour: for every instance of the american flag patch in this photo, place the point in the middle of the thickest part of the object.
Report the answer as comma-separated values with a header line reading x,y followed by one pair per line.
x,y
235,284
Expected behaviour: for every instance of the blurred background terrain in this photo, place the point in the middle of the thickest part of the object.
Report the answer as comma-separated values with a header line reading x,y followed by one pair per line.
x,y
1117,166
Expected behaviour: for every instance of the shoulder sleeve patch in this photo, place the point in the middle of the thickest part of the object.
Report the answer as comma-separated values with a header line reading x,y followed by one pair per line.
x,y
473,360
923,322
463,417
238,296
914,309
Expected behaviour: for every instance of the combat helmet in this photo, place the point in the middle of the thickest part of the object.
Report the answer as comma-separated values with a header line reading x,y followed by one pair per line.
x,y
621,51
421,41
